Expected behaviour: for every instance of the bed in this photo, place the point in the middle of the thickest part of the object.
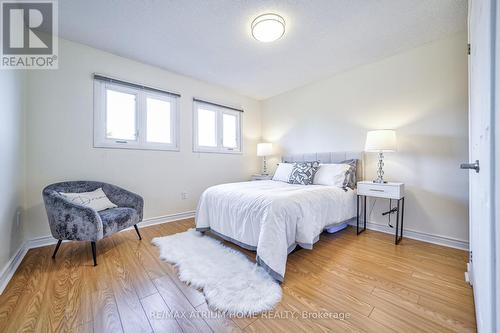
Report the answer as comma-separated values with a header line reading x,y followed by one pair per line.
x,y
272,217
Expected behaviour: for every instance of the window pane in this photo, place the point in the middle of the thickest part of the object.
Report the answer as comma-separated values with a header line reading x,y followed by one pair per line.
x,y
207,128
158,121
229,131
120,115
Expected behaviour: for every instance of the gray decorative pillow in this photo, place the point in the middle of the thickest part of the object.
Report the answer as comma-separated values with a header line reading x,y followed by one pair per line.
x,y
303,173
350,176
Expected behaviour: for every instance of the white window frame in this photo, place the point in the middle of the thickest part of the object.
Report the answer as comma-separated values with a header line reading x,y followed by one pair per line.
x,y
219,111
100,139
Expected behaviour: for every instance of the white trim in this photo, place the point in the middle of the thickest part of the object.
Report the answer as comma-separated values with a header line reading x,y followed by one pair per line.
x,y
166,219
11,266
418,235
49,240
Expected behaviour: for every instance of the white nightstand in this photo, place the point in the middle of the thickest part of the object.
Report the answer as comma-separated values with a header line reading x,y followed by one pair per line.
x,y
261,177
391,191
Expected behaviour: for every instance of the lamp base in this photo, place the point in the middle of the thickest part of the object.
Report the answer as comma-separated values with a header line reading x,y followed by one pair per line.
x,y
264,169
380,171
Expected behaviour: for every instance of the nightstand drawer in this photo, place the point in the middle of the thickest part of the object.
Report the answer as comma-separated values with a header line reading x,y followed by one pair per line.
x,y
389,190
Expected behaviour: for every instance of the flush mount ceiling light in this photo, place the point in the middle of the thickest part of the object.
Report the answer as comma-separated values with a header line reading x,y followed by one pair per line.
x,y
268,27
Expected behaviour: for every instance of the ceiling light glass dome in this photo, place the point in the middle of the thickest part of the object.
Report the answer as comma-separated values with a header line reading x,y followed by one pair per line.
x,y
268,27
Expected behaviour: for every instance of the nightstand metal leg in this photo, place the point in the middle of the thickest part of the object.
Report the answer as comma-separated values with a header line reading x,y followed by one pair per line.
x,y
402,216
397,225
363,200
400,211
357,215
364,210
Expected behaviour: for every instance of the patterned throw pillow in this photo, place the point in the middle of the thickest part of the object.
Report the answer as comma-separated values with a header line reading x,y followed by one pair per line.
x,y
303,173
350,176
96,199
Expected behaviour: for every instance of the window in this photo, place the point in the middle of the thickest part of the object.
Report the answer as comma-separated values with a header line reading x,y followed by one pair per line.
x,y
121,115
217,129
134,117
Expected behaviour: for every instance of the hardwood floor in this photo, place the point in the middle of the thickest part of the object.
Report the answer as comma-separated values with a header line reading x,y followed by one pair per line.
x,y
375,285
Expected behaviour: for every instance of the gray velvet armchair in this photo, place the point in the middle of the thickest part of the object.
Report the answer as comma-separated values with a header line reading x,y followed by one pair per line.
x,y
70,221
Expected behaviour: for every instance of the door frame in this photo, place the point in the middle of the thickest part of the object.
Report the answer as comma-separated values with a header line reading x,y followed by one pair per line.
x,y
495,124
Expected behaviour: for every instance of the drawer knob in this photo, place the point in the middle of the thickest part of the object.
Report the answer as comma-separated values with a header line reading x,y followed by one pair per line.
x,y
376,190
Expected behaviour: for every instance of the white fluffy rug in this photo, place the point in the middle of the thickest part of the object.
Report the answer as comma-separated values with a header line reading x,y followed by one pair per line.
x,y
231,283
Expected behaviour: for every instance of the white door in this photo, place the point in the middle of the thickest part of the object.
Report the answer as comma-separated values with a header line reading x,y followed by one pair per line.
x,y
482,270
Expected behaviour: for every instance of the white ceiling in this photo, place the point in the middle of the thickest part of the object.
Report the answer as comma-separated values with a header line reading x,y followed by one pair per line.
x,y
211,40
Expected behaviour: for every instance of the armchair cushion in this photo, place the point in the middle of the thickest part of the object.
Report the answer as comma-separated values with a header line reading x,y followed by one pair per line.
x,y
124,198
116,219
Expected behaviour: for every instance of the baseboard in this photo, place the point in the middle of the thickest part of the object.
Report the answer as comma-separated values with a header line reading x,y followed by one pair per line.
x,y
11,267
14,262
421,236
167,218
49,240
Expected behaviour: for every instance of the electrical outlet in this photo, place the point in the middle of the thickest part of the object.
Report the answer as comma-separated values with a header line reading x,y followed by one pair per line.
x,y
184,195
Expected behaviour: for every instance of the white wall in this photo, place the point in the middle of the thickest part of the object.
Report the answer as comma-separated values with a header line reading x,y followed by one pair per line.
x,y
59,137
423,95
11,161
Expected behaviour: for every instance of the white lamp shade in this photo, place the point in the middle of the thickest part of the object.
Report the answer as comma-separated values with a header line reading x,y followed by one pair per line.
x,y
264,149
381,141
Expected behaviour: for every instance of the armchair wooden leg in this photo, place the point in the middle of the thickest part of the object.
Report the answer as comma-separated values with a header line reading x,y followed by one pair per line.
x,y
57,248
94,252
137,230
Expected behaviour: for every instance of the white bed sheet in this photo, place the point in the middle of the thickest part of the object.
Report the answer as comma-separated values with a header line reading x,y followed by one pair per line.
x,y
272,217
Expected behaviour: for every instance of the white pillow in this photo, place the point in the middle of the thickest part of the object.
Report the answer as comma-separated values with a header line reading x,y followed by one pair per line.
x,y
331,174
96,199
283,172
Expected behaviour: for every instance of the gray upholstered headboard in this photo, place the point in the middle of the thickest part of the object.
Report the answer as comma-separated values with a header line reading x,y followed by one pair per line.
x,y
330,157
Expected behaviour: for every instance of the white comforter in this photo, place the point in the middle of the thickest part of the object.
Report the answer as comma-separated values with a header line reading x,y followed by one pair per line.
x,y
272,217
